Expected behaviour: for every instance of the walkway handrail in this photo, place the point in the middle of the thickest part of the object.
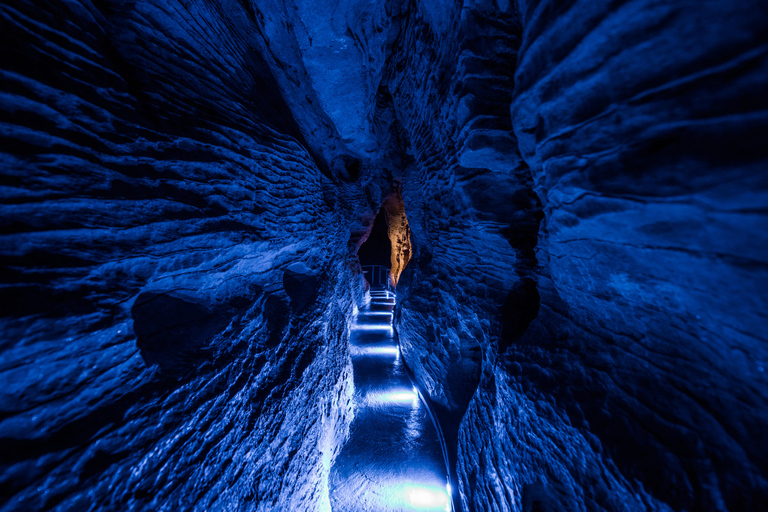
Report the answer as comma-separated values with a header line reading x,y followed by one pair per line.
x,y
427,401
379,276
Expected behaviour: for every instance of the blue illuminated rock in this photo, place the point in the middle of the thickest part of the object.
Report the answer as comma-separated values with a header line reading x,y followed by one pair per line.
x,y
623,339
156,191
185,185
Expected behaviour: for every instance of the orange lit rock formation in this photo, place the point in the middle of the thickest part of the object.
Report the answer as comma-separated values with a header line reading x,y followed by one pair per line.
x,y
398,230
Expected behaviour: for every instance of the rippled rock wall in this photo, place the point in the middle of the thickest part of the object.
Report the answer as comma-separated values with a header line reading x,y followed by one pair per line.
x,y
458,215
623,346
185,184
177,280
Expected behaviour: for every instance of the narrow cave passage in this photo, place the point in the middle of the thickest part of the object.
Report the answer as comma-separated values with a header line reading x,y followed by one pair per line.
x,y
393,459
185,187
374,253
388,244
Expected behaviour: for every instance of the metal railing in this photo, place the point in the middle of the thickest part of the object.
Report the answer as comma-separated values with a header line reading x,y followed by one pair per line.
x,y
379,276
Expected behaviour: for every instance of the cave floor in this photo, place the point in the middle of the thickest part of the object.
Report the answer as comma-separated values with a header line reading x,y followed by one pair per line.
x,y
392,460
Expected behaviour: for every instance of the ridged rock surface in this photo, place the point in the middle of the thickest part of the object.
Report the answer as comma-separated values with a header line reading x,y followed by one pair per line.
x,y
185,184
177,282
623,359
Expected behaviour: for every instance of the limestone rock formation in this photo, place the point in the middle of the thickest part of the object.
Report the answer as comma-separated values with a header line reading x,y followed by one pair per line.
x,y
156,188
581,247
623,344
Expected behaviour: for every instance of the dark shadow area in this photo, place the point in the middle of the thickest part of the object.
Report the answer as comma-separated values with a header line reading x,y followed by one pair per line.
x,y
171,329
520,308
535,498
375,254
301,285
376,250
352,165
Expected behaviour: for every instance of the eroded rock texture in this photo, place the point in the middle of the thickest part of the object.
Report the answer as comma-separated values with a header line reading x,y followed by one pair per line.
x,y
624,346
185,185
176,281
398,231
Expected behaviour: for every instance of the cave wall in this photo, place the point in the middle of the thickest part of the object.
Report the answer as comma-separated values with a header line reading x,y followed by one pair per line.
x,y
398,231
623,344
185,185
457,214
177,282
451,83
646,150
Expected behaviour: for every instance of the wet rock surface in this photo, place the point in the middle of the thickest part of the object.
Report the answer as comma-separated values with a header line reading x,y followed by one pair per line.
x,y
185,186
393,459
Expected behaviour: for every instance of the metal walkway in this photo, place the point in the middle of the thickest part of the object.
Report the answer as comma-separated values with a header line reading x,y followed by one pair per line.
x,y
392,460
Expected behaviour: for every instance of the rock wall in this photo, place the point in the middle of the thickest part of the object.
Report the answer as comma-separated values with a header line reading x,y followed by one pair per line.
x,y
623,344
398,231
448,81
641,124
458,215
176,277
185,184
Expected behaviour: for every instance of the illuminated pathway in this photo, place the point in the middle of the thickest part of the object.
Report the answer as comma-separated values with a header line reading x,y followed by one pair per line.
x,y
392,460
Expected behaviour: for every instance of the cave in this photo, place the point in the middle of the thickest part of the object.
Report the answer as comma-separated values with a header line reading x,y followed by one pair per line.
x,y
386,246
570,198
375,254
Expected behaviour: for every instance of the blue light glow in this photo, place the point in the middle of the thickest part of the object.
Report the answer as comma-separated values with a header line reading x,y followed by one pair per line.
x,y
422,497
399,396
373,351
413,496
368,327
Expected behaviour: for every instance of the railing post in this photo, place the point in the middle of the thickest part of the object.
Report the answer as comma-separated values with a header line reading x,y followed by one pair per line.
x,y
378,275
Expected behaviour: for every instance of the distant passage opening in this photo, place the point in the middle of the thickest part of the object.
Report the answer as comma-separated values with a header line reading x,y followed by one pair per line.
x,y
387,249
377,249
375,253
